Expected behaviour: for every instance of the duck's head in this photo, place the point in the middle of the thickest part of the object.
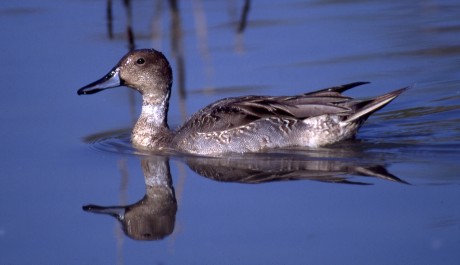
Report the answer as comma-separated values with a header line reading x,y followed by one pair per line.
x,y
147,70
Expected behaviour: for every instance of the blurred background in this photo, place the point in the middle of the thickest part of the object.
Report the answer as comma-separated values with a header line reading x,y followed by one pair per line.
x,y
389,197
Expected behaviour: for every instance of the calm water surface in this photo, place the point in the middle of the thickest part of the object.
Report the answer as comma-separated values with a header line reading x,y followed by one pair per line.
x,y
73,191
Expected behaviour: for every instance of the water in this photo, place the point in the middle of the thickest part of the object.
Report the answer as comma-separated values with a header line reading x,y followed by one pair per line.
x,y
389,197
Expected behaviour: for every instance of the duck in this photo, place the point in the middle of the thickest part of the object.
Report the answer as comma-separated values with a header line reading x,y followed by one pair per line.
x,y
245,124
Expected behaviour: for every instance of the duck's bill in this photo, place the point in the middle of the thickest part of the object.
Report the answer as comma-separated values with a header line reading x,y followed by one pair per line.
x,y
112,79
115,211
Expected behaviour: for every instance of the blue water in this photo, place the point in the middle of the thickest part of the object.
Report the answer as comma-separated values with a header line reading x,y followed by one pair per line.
x,y
389,197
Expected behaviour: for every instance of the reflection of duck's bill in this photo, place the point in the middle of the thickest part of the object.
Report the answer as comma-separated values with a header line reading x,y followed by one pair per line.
x,y
115,211
112,79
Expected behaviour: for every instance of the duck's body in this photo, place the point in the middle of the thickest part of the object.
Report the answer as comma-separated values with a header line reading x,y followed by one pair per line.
x,y
240,124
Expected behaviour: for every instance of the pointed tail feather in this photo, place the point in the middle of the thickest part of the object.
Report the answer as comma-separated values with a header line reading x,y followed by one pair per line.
x,y
338,89
375,104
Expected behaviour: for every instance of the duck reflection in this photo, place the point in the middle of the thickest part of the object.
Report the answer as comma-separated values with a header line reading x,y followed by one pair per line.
x,y
154,216
262,168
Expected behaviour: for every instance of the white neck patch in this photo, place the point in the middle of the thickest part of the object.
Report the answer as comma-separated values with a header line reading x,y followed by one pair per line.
x,y
149,110
154,113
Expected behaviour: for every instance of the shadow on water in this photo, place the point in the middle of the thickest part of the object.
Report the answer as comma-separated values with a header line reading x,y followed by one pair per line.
x,y
153,217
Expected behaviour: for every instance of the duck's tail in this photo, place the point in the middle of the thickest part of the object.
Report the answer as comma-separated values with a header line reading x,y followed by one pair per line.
x,y
365,108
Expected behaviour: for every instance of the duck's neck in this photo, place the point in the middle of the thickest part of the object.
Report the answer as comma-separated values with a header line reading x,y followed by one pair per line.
x,y
151,130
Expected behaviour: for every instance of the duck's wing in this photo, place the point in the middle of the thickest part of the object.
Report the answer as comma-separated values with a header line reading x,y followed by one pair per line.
x,y
355,110
236,112
229,113
325,101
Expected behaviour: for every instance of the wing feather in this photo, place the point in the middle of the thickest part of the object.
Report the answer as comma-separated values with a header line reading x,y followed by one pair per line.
x,y
235,112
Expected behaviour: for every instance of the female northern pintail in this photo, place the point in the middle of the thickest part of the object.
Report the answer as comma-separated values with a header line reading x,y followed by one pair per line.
x,y
239,124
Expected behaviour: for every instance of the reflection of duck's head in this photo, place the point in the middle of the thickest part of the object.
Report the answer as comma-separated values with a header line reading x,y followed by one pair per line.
x,y
142,221
148,219
154,216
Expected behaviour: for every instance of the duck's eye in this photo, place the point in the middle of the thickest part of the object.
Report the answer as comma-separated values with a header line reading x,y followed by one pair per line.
x,y
140,61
